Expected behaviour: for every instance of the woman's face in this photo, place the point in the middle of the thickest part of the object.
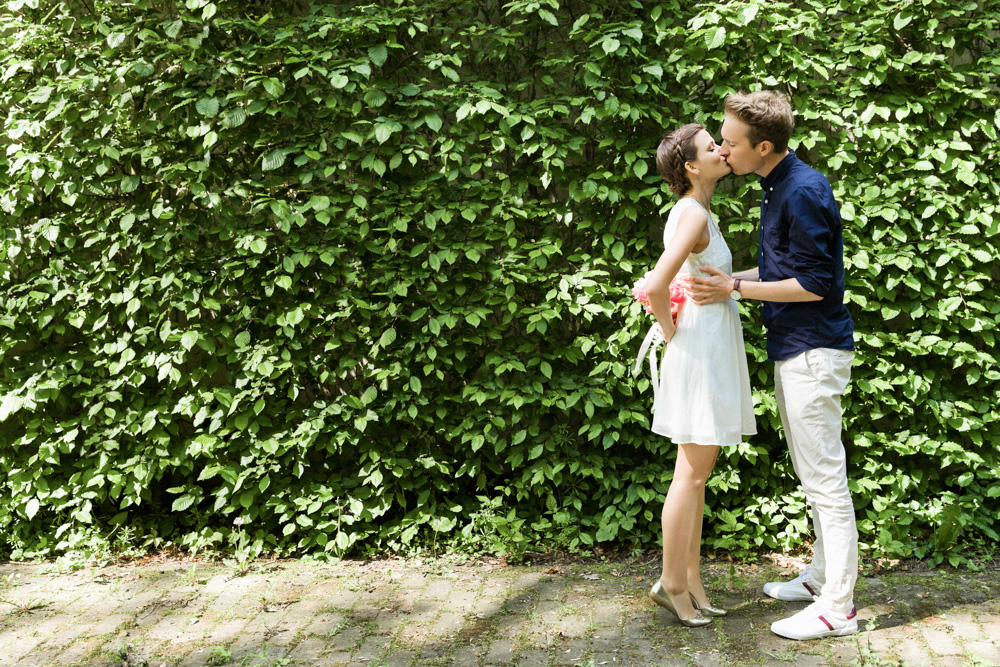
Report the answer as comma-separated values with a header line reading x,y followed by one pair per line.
x,y
710,163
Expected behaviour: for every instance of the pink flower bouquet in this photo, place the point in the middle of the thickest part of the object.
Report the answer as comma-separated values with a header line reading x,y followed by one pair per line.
x,y
678,295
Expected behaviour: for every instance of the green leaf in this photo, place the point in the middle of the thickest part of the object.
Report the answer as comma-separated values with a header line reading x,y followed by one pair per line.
x,y
173,28
208,106
375,97
129,183
143,69
370,394
387,338
433,121
274,159
715,37
31,509
189,339
234,117
182,503
748,13
378,55
116,39
274,87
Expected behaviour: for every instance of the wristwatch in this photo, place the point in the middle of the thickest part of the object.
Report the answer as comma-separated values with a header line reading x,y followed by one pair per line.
x,y
735,294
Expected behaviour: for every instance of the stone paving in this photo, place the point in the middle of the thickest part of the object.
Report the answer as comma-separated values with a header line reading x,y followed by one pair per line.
x,y
395,613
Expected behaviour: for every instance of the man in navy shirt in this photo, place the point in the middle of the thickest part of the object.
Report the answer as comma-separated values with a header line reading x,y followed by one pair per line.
x,y
810,339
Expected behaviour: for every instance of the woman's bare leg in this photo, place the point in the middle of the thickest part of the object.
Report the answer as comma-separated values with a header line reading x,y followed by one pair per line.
x,y
694,560
681,521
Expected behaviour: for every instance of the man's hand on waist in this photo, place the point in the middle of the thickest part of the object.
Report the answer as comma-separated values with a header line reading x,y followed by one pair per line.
x,y
712,288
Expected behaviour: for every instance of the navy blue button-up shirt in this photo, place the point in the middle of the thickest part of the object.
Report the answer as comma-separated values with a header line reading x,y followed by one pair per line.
x,y
801,237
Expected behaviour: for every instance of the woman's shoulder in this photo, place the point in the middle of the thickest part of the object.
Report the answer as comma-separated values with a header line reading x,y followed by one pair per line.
x,y
689,211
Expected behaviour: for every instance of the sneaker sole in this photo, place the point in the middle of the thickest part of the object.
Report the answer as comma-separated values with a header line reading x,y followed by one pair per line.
x,y
786,593
790,597
842,632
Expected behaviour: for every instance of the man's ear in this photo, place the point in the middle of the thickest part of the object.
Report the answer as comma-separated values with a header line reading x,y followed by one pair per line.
x,y
765,148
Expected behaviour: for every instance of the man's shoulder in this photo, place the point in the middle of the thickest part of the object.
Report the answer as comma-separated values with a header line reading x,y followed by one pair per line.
x,y
808,183
803,175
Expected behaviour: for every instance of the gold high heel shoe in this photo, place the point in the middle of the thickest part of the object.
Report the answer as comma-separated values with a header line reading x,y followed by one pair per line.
x,y
660,597
707,610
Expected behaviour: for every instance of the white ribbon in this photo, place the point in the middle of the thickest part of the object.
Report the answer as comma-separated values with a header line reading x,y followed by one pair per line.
x,y
649,343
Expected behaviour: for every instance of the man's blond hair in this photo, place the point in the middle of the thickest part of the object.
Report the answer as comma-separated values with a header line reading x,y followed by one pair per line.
x,y
766,113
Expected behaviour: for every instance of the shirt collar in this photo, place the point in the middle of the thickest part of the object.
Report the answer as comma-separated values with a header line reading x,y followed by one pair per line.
x,y
780,171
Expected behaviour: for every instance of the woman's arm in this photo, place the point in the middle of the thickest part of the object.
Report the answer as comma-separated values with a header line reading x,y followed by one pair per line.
x,y
690,227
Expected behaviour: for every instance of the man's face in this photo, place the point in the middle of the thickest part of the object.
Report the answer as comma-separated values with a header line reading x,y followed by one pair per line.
x,y
736,148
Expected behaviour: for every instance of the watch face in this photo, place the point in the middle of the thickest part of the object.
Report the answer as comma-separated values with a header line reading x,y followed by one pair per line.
x,y
735,296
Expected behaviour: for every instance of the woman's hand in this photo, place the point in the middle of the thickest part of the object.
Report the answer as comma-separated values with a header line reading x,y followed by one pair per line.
x,y
667,331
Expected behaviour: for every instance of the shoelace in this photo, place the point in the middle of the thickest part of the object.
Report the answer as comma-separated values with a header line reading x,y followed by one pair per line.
x,y
817,608
803,576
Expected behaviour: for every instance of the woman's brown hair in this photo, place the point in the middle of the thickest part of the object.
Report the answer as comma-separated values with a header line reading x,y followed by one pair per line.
x,y
674,150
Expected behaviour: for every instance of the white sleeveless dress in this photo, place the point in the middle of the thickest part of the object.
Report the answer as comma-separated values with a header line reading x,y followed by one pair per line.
x,y
704,392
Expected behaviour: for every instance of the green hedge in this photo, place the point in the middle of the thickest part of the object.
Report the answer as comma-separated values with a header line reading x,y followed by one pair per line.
x,y
359,274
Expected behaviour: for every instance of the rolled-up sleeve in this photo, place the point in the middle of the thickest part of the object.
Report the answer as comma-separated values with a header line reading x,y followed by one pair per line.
x,y
810,235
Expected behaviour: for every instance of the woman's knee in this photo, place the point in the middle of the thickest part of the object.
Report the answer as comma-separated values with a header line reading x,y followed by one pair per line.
x,y
690,480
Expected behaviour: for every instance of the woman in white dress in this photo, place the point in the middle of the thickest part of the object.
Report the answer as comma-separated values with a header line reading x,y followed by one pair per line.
x,y
703,401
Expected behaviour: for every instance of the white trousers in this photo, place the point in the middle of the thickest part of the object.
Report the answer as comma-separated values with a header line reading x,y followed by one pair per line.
x,y
808,388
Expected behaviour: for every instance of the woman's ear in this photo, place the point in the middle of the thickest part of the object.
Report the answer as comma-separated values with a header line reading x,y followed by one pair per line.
x,y
691,168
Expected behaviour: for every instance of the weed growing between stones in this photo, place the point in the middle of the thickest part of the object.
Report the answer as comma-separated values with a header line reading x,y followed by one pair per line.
x,y
126,655
23,605
242,561
218,656
870,658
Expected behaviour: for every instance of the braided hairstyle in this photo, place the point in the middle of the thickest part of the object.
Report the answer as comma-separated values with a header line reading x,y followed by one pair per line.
x,y
676,149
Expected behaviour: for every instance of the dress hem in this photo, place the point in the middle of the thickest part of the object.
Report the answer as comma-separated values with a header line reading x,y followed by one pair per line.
x,y
692,439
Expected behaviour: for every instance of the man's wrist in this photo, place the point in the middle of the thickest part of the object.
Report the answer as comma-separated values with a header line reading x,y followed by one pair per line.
x,y
734,290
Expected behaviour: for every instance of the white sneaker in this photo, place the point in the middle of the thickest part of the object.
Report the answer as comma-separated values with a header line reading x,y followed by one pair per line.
x,y
815,621
801,587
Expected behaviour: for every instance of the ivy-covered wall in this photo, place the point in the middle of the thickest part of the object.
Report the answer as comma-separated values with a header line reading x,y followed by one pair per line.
x,y
359,273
